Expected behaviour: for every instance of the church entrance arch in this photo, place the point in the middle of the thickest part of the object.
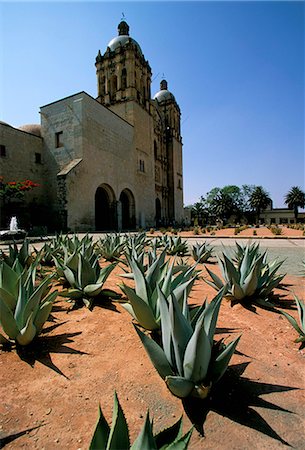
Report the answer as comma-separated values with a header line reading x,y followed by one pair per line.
x,y
128,210
158,212
105,209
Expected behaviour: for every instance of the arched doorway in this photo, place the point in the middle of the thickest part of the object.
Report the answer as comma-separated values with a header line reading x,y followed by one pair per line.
x,y
158,212
105,209
128,210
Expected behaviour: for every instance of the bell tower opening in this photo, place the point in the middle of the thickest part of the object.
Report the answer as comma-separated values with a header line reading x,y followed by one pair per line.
x,y
123,74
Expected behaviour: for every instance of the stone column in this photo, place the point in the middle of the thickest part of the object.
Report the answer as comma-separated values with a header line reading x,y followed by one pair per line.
x,y
119,214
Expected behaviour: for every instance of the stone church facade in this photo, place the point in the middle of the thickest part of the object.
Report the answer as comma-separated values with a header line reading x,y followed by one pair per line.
x,y
110,163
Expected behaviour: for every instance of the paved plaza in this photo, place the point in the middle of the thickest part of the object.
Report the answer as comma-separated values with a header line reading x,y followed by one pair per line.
x,y
292,251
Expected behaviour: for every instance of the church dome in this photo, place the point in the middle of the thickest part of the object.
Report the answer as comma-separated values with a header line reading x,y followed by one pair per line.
x,y
31,128
164,94
4,123
123,38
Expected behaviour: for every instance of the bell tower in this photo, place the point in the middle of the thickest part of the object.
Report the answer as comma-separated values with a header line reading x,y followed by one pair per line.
x,y
123,74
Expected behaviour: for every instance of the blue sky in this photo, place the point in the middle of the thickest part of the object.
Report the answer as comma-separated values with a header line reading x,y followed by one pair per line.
x,y
235,68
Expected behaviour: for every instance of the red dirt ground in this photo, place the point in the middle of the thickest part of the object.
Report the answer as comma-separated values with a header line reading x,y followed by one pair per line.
x,y
50,394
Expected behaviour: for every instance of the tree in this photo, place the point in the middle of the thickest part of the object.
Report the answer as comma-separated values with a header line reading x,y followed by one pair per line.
x,y
259,200
198,212
295,199
223,205
223,202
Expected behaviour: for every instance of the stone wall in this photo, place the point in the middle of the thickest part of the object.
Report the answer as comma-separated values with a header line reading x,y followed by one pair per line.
x,y
25,158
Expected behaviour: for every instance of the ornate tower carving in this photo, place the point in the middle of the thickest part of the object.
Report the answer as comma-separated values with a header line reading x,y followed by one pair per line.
x,y
123,74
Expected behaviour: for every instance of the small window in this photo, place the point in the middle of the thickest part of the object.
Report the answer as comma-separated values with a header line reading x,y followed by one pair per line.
x,y
58,139
124,79
38,158
141,165
2,151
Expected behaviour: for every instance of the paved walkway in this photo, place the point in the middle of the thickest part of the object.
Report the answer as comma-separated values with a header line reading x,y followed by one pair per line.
x,y
291,250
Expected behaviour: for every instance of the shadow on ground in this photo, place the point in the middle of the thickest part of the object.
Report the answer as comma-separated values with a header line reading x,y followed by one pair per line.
x,y
42,347
234,397
8,439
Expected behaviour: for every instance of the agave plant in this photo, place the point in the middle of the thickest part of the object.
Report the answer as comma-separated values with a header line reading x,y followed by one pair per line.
x,y
117,436
144,299
111,246
201,252
137,240
189,361
45,255
86,280
24,308
174,245
249,277
300,328
23,254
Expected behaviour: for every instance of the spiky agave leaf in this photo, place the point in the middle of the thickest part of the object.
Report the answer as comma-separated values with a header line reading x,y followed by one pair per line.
x,y
188,351
300,328
221,362
169,434
101,433
116,437
28,332
144,298
140,309
179,386
7,320
33,306
145,440
156,354
249,276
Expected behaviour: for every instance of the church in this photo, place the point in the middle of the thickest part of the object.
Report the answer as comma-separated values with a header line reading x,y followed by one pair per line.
x,y
113,162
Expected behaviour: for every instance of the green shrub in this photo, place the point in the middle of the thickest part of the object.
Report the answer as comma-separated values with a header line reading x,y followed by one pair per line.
x,y
276,230
196,231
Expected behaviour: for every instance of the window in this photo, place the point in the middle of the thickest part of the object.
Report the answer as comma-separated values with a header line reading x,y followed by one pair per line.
x,y
124,79
2,151
141,165
58,139
38,158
